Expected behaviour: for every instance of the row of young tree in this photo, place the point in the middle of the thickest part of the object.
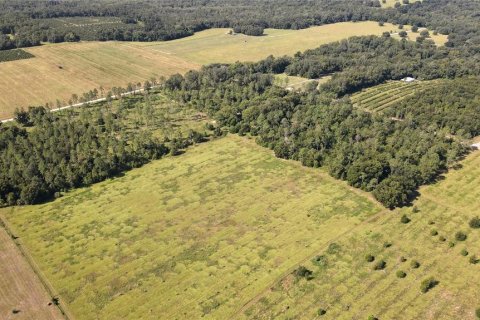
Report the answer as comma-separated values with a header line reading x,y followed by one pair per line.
x,y
26,23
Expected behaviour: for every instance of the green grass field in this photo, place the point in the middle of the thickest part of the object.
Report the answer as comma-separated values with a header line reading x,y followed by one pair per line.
x,y
59,70
189,236
347,287
380,98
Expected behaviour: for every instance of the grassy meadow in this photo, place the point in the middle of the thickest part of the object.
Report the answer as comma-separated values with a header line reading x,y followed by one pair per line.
x,y
346,286
186,237
59,70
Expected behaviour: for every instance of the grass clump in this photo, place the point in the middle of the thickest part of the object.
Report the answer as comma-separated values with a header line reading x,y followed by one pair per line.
x,y
415,264
321,312
433,233
428,284
369,258
464,252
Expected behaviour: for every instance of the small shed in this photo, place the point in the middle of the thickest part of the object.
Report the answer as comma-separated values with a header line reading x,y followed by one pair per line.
x,y
408,79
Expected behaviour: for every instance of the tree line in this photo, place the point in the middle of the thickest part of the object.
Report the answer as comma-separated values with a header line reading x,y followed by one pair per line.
x,y
25,23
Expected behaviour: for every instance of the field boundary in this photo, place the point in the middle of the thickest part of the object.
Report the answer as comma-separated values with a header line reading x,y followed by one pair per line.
x,y
36,270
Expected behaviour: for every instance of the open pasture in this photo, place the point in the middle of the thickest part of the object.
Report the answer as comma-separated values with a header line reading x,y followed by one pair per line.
x,y
346,286
186,237
381,97
57,71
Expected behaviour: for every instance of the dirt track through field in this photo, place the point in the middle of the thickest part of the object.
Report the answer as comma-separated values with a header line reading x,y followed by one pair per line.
x,y
22,295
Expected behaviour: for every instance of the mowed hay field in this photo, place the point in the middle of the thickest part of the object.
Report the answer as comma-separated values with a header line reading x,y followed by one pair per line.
x,y
22,295
186,237
60,70
346,286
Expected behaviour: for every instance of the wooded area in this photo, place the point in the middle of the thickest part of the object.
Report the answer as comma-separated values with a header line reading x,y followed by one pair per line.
x,y
28,23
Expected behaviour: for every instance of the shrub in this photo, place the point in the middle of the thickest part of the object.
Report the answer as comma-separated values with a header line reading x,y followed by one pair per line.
x,y
401,274
428,284
372,318
369,258
403,259
464,252
404,219
460,236
320,261
415,264
433,232
387,244
451,244
380,265
321,312
477,313
442,238
431,222
303,272
333,248
475,223
473,259
415,209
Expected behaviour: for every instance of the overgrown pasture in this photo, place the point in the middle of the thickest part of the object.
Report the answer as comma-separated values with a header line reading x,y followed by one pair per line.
x,y
186,237
434,238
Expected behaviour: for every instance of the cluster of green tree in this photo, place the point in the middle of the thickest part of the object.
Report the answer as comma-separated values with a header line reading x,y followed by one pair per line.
x,y
30,21
60,152
360,62
372,152
16,54
454,105
249,30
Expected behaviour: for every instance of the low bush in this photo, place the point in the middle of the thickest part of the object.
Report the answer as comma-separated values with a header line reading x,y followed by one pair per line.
x,y
369,258
303,272
428,284
321,312
380,265
442,238
464,252
401,274
473,259
404,219
460,236
433,233
415,264
475,223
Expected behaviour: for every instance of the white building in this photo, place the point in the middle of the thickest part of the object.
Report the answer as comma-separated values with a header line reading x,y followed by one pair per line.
x,y
408,79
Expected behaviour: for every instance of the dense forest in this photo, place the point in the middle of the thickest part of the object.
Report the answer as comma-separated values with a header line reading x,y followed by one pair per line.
x,y
25,23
